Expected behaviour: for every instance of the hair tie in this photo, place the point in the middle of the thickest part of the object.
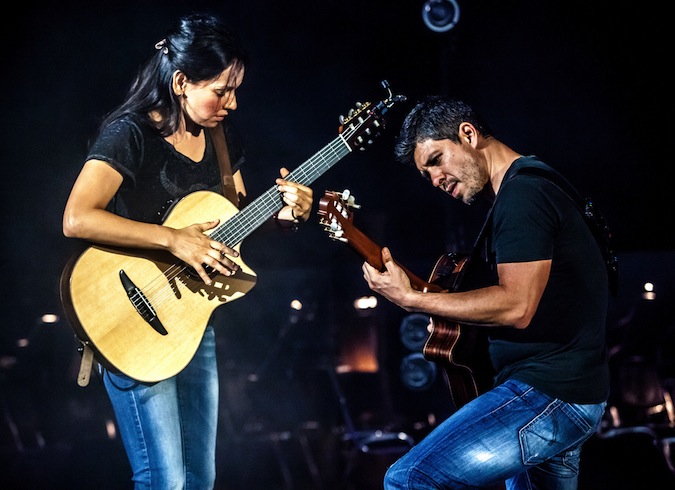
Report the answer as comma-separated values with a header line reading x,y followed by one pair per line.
x,y
162,45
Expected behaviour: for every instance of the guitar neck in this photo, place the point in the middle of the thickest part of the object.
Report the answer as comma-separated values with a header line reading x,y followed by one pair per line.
x,y
242,224
356,131
372,253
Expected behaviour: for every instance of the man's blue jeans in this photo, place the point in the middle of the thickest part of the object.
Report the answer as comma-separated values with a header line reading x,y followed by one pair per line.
x,y
169,428
511,434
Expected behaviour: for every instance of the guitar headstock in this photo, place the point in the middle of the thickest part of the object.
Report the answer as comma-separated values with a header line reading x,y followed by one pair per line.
x,y
365,122
336,214
337,217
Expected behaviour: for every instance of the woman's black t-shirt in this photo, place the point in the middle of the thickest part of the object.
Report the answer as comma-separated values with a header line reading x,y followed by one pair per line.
x,y
155,174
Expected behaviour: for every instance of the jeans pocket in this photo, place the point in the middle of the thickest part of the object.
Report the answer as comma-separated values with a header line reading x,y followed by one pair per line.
x,y
561,427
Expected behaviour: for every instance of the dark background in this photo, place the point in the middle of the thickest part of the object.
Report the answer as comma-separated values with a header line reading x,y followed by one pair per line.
x,y
578,83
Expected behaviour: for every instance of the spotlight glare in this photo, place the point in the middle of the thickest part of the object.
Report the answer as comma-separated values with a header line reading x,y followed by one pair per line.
x,y
648,291
365,302
49,318
110,428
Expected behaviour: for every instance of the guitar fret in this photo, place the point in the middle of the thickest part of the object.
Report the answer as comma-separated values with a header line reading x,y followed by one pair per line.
x,y
242,224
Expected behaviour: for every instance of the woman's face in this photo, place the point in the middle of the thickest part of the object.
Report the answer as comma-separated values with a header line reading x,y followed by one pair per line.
x,y
208,102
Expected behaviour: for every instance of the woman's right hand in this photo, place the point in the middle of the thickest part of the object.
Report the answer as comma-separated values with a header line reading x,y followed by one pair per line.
x,y
86,217
198,250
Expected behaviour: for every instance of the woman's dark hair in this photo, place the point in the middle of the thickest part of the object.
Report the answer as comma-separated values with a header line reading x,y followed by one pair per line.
x,y
201,47
435,117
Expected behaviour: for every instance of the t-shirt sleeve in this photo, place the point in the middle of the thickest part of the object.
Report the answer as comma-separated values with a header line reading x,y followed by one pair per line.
x,y
120,144
525,220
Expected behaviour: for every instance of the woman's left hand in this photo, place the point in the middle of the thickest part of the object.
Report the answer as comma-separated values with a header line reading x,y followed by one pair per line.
x,y
298,199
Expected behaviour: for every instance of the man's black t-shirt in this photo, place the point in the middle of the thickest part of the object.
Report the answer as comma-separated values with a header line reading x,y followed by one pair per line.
x,y
563,351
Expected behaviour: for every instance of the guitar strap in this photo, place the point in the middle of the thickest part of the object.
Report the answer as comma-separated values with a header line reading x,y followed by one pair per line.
x,y
229,191
226,179
593,219
85,365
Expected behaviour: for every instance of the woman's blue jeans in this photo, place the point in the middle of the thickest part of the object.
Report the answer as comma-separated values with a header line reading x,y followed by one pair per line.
x,y
512,434
169,428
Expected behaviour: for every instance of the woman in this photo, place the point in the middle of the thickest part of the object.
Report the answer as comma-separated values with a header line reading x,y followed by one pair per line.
x,y
152,150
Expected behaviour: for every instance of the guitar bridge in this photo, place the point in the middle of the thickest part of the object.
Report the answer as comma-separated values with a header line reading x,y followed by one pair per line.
x,y
141,304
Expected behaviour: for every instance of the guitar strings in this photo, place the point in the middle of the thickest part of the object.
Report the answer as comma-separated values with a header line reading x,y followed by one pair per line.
x,y
237,228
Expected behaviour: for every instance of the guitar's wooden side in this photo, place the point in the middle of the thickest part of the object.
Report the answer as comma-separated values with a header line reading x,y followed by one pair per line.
x,y
460,350
102,315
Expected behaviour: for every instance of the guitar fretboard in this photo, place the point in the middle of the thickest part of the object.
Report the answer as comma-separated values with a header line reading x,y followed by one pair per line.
x,y
242,224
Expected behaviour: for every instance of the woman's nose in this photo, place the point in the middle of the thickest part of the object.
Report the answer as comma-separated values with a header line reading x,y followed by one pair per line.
x,y
230,103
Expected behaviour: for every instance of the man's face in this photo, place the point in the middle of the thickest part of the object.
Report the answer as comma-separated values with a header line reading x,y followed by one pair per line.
x,y
452,167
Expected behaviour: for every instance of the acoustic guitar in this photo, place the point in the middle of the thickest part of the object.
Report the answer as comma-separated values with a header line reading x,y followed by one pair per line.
x,y
460,350
143,312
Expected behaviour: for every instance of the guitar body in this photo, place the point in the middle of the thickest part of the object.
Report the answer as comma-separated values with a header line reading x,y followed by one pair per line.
x,y
461,351
103,315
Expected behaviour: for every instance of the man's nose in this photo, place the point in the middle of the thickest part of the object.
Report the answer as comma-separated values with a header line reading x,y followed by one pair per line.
x,y
436,177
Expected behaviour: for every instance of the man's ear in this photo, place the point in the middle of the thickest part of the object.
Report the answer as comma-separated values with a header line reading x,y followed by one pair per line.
x,y
467,133
178,83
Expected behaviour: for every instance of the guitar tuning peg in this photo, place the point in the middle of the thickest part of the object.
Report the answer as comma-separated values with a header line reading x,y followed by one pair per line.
x,y
349,200
350,113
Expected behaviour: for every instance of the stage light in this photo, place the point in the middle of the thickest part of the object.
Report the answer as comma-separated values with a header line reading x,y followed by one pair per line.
x,y
414,332
440,15
417,374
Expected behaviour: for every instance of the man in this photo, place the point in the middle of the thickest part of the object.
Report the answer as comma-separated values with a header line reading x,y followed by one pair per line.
x,y
544,313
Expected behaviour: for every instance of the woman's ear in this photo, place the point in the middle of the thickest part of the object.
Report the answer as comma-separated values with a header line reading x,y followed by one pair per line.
x,y
178,83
